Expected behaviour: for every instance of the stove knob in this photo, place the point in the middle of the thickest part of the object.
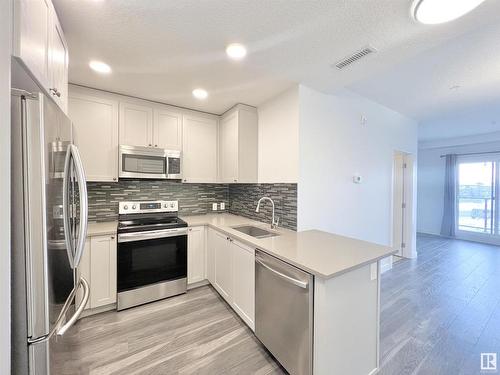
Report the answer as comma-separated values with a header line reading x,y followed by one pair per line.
x,y
166,205
172,205
134,207
125,207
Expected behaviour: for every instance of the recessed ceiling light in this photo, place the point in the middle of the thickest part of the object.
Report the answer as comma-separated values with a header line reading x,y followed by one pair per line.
x,y
440,11
236,51
200,94
100,67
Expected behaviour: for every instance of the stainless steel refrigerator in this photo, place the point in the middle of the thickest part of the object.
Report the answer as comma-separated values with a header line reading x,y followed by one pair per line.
x,y
49,225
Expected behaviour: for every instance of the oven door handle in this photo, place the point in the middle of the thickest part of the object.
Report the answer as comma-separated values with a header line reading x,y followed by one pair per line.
x,y
149,235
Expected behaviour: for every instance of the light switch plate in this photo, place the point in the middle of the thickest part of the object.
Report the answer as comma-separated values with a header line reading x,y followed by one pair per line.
x,y
222,206
214,206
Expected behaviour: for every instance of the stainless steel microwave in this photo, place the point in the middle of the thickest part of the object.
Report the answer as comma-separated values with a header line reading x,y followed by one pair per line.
x,y
149,162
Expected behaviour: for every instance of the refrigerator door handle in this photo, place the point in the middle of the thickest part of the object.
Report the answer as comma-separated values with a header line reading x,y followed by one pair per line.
x,y
67,209
79,309
58,328
82,188
75,250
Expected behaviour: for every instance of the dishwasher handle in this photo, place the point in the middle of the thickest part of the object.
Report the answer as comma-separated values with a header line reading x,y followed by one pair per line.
x,y
299,283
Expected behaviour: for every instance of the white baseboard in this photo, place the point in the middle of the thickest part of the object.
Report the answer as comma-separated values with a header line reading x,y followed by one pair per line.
x,y
385,264
198,284
98,310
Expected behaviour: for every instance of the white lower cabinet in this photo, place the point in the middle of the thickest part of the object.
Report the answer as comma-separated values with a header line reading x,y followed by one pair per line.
x,y
243,264
231,270
196,255
98,267
211,243
223,266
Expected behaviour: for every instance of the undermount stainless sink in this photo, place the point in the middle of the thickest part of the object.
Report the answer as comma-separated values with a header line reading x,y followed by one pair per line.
x,y
255,231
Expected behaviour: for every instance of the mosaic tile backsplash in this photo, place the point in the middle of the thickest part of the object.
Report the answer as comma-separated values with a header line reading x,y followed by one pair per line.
x,y
194,199
243,200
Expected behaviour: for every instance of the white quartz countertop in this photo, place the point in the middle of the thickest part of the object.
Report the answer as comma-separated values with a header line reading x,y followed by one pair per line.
x,y
320,253
101,229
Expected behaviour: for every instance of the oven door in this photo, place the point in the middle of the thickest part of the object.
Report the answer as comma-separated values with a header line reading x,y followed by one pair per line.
x,y
142,162
146,258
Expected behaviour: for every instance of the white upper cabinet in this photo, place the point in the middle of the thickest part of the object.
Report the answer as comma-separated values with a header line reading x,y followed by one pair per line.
x,y
167,129
58,64
95,132
229,148
31,36
38,40
238,145
136,125
199,139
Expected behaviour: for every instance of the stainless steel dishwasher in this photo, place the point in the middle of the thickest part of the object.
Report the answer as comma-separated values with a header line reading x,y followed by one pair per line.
x,y
284,312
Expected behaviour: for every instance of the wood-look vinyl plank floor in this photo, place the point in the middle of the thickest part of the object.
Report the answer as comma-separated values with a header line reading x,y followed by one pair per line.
x,y
438,313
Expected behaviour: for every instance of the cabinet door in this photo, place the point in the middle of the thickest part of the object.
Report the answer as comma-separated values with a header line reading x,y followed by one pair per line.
x,y
103,270
136,125
229,148
84,271
223,266
95,132
58,64
199,137
196,254
211,243
244,282
31,36
167,130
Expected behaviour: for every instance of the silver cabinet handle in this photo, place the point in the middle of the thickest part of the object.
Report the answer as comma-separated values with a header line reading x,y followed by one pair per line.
x,y
150,235
55,92
299,283
61,330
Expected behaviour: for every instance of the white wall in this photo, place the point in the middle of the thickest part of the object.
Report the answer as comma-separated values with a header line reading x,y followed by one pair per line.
x,y
5,51
279,138
334,146
430,188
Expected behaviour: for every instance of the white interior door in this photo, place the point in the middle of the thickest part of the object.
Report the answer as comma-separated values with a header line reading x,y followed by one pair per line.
x,y
399,204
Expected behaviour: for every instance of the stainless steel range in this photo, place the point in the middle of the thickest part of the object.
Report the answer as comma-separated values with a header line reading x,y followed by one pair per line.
x,y
152,252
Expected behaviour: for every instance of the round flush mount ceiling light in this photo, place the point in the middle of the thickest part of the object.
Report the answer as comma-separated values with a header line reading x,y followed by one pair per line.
x,y
200,94
100,67
432,12
236,51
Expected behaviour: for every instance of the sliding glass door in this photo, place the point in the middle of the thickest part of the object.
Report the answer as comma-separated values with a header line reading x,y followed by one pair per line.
x,y
477,204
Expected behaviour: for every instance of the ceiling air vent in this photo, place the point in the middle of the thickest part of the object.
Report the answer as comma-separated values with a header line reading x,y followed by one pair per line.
x,y
344,63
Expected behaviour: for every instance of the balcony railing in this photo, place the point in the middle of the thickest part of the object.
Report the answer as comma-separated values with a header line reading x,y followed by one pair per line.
x,y
475,214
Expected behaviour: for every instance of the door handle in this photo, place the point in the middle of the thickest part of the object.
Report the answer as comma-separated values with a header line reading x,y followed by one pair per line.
x,y
299,283
82,190
86,294
61,330
75,251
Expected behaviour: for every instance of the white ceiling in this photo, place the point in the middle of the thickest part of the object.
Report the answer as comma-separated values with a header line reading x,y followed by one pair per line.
x,y
162,49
